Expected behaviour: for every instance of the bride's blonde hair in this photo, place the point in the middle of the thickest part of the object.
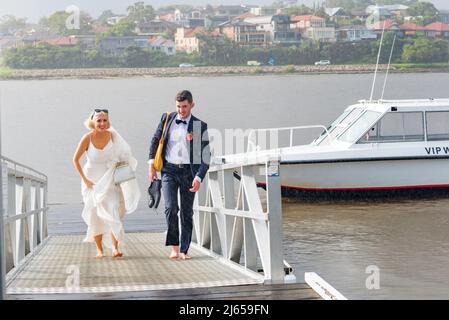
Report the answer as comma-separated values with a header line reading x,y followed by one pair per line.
x,y
90,122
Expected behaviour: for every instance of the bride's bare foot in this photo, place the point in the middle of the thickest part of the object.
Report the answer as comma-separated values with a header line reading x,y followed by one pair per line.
x,y
99,255
117,254
184,256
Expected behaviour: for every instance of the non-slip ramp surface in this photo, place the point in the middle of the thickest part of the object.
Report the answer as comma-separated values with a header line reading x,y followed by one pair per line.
x,y
145,266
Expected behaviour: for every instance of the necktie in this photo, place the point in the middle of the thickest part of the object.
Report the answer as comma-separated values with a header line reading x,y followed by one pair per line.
x,y
180,121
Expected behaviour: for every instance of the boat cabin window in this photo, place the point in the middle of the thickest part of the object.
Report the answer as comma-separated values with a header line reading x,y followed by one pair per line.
x,y
359,127
396,127
437,125
339,125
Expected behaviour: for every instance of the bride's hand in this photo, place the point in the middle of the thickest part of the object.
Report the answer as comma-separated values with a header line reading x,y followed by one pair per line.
x,y
89,184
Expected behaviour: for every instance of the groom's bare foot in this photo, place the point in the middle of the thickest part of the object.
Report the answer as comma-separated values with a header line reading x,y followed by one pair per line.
x,y
174,252
184,256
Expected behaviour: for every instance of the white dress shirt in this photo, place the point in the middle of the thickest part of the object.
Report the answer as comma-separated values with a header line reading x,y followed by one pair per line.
x,y
177,145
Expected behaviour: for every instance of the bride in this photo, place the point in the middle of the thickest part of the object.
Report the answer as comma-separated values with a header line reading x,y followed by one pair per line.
x,y
105,203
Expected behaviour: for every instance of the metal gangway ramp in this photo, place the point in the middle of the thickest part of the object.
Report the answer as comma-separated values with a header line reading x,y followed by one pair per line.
x,y
236,247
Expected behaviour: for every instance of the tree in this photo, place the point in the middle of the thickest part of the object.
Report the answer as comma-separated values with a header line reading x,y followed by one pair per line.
x,y
209,10
298,10
426,50
184,8
136,57
424,13
139,12
122,29
321,12
389,2
386,48
10,24
423,9
57,23
44,23
349,5
103,18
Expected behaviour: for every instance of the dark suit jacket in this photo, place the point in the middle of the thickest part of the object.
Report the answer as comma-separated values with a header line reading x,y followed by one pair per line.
x,y
199,146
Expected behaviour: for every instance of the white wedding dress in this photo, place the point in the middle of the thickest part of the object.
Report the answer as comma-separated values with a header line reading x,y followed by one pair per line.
x,y
106,204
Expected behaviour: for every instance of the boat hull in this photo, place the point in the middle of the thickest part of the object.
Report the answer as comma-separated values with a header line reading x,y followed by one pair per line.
x,y
348,178
365,194
366,178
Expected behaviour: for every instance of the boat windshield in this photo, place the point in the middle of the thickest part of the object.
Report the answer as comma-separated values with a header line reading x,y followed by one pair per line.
x,y
339,125
360,126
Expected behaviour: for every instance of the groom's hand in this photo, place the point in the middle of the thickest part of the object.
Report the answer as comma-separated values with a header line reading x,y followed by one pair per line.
x,y
152,174
195,186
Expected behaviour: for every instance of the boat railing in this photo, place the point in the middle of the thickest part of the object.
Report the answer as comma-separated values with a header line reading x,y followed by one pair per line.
x,y
25,211
252,136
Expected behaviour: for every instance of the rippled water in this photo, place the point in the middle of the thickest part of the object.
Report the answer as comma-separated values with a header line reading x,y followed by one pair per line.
x,y
408,241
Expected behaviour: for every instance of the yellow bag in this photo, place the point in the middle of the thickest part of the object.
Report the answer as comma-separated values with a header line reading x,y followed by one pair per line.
x,y
158,161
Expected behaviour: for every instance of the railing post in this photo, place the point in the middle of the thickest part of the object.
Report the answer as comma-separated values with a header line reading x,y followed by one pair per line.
x,y
2,236
20,239
275,221
228,203
11,210
43,214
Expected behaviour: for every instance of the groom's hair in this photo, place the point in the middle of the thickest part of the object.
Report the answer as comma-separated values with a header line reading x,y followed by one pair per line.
x,y
184,95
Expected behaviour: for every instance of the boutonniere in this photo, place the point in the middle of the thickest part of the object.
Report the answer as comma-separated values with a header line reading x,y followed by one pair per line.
x,y
189,136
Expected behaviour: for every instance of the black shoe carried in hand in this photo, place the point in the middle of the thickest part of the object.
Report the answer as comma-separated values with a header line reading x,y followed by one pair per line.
x,y
154,193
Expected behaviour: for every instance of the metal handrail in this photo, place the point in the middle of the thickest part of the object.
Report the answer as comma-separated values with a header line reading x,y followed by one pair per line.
x,y
291,129
25,221
17,166
227,223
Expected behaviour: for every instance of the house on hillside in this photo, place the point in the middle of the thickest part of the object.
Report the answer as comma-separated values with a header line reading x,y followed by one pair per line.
x,y
229,11
313,28
355,33
156,27
410,29
387,11
336,13
161,44
443,16
437,30
245,34
307,21
116,46
186,40
69,41
8,42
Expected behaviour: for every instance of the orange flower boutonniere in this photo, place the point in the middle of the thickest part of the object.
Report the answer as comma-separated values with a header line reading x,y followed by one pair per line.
x,y
189,136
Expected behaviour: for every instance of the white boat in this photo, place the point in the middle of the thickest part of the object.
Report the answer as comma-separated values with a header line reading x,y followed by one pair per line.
x,y
385,147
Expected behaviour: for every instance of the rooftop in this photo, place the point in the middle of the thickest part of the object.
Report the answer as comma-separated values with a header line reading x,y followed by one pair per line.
x,y
437,26
306,18
410,26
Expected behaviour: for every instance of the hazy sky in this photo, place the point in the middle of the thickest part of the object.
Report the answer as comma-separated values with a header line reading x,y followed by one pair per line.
x,y
34,9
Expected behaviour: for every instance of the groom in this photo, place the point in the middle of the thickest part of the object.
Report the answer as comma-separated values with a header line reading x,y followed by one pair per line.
x,y
186,157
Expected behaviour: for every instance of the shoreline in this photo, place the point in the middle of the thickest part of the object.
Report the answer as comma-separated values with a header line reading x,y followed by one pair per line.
x,y
108,73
